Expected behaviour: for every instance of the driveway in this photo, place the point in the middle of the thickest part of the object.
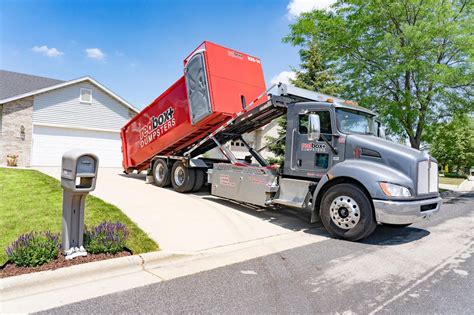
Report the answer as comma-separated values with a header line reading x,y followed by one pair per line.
x,y
189,222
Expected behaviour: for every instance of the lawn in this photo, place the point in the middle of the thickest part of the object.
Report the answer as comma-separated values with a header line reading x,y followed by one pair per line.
x,y
32,201
450,181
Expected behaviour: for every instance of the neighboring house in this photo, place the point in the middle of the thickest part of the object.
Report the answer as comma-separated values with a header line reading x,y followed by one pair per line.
x,y
256,139
41,118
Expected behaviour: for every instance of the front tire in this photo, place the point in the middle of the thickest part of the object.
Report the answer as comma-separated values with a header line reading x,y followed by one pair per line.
x,y
182,178
346,212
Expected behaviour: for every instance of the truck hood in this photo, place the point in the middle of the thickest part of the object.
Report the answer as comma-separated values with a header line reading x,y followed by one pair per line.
x,y
397,156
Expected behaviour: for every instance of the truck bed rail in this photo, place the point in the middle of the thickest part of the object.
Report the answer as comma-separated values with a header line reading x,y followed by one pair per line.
x,y
243,122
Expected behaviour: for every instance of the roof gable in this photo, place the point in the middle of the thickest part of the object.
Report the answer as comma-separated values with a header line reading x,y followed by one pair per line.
x,y
62,84
14,83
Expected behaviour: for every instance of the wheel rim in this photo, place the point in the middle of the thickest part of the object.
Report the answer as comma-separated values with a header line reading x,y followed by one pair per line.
x,y
160,172
179,176
345,212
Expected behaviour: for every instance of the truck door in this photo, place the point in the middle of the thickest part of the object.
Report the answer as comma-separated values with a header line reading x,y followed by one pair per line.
x,y
311,158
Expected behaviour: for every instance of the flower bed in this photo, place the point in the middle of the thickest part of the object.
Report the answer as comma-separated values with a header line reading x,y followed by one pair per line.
x,y
39,251
11,269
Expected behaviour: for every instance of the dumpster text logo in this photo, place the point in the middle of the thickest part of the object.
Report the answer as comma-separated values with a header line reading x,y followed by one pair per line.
x,y
157,126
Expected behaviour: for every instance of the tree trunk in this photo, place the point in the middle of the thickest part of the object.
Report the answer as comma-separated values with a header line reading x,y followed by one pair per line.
x,y
415,142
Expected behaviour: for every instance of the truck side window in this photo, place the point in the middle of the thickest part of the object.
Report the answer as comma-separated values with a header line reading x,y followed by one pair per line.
x,y
324,119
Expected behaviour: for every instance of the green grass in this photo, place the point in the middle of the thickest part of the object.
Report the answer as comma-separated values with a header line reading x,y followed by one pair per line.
x,y
32,201
450,181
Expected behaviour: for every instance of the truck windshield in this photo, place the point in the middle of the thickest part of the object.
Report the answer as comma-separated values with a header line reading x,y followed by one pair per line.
x,y
352,121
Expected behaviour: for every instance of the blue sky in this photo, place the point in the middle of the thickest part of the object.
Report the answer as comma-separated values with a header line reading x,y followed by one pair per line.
x,y
136,48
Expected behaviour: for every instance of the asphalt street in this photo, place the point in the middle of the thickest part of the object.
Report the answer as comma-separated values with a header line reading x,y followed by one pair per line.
x,y
422,269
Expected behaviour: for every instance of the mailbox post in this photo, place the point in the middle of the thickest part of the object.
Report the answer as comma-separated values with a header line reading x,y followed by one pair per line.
x,y
78,178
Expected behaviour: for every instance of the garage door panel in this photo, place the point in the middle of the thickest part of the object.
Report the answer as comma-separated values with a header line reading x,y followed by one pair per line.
x,y
49,144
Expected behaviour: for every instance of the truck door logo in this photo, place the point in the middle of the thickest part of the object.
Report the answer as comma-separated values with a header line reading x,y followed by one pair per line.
x,y
316,147
157,126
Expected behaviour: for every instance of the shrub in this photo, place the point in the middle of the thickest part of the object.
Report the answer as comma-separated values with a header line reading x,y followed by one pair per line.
x,y
454,175
108,237
34,249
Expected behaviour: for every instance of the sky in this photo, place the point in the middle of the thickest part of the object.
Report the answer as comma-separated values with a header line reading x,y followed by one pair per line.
x,y
136,48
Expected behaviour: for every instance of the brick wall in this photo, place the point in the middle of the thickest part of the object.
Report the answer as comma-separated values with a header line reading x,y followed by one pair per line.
x,y
17,116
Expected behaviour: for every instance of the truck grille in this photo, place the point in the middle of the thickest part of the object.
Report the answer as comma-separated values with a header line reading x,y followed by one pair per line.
x,y
427,177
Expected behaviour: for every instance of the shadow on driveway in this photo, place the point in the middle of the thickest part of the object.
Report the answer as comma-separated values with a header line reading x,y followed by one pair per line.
x,y
299,220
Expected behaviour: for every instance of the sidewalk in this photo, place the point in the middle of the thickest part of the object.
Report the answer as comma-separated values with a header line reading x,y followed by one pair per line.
x,y
465,186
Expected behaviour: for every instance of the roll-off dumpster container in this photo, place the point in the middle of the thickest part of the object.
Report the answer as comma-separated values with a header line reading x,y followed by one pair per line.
x,y
216,84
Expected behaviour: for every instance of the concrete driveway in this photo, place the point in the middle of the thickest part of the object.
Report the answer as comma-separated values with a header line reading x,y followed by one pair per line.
x,y
189,222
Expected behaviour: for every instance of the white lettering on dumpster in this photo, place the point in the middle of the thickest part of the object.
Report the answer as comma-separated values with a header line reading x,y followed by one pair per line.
x,y
157,126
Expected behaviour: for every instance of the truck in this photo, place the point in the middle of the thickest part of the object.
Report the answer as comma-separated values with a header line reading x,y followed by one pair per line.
x,y
337,162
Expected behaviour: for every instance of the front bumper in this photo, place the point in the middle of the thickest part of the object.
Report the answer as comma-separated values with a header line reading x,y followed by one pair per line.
x,y
405,212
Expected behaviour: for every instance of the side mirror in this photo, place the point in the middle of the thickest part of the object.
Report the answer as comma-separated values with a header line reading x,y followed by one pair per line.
x,y
314,127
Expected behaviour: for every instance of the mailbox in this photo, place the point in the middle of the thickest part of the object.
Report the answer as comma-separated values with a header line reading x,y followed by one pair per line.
x,y
78,178
79,171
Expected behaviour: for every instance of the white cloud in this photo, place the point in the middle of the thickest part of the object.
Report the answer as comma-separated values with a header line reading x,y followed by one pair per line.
x,y
95,53
296,7
45,50
284,77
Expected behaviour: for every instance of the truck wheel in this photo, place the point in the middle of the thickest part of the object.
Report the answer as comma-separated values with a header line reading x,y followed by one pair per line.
x,y
346,212
199,180
182,178
161,173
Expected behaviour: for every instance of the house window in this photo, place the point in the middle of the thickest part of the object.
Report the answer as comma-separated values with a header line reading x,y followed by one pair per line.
x,y
236,144
86,96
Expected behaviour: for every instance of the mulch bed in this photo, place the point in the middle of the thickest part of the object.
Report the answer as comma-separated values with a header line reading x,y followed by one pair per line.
x,y
9,269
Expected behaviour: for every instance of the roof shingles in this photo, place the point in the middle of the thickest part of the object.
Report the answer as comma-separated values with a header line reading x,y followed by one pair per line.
x,y
14,83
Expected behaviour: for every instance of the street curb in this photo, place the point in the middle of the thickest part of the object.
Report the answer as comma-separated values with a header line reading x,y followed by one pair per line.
x,y
17,287
33,283
71,285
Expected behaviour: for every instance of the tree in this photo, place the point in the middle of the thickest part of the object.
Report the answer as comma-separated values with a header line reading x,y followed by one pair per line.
x,y
315,76
410,60
452,143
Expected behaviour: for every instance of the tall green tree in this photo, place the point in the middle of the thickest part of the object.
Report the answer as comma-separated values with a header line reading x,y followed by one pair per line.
x,y
452,143
312,75
410,60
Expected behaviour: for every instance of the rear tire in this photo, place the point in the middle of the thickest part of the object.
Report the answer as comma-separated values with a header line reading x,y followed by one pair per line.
x,y
161,173
199,180
182,178
346,212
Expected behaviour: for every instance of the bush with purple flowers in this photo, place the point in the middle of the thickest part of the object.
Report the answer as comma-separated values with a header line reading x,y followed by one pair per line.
x,y
34,249
107,237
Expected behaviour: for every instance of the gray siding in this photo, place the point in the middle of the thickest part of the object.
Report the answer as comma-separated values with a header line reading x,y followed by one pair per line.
x,y
63,107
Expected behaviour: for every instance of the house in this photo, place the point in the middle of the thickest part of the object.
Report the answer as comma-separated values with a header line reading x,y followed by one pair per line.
x,y
41,118
257,139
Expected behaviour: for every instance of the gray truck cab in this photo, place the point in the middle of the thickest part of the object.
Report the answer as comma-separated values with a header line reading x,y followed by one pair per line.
x,y
341,148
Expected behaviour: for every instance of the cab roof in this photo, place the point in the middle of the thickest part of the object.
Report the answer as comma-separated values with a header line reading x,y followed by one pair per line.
x,y
303,95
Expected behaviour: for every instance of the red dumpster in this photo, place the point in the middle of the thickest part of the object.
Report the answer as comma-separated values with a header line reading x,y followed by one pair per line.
x,y
216,84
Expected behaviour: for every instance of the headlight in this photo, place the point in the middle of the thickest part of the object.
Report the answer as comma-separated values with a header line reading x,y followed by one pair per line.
x,y
393,190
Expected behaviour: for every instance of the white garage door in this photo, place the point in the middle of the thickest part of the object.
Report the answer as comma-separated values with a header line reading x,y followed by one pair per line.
x,y
49,144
